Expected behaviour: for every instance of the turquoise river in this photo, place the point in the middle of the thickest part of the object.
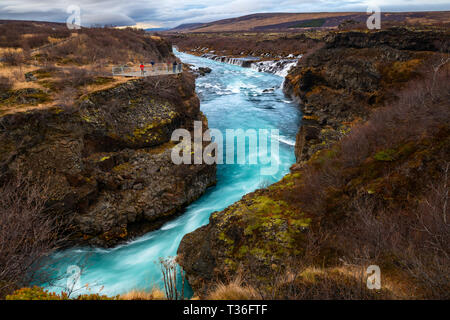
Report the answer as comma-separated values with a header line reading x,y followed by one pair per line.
x,y
231,97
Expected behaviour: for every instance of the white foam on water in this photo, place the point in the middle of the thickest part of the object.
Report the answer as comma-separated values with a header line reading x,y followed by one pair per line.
x,y
231,98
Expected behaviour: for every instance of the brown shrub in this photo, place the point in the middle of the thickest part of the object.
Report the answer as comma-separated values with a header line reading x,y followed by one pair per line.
x,y
28,233
37,33
237,44
13,58
5,84
380,196
66,97
154,294
233,290
109,45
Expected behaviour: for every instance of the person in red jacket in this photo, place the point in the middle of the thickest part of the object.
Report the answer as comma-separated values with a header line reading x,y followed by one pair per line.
x,y
142,69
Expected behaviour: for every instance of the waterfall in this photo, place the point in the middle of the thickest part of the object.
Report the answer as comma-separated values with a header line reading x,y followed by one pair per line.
x,y
279,67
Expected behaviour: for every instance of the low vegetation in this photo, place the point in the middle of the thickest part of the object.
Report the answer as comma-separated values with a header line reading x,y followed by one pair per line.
x,y
380,196
371,188
28,233
65,65
248,44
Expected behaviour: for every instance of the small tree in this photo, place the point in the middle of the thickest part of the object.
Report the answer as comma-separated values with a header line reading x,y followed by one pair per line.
x,y
170,268
28,233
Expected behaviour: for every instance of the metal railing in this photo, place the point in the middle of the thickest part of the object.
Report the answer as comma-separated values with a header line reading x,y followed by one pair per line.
x,y
149,70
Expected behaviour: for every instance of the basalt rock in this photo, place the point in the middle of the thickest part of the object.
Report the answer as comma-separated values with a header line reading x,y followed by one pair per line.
x,y
259,234
254,235
350,75
397,38
108,161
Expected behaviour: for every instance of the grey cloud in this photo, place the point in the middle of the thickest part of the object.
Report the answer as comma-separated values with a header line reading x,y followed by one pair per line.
x,y
170,13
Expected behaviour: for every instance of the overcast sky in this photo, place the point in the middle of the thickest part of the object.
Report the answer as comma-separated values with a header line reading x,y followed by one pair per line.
x,y
170,13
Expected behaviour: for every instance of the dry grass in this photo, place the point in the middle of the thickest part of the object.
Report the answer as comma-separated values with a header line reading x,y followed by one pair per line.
x,y
17,75
154,294
260,20
68,65
234,290
380,196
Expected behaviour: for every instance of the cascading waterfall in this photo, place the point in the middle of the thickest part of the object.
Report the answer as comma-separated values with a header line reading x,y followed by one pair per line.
x,y
232,98
279,67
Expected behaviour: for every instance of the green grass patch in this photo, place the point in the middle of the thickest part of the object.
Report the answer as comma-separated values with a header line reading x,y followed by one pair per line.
x,y
309,24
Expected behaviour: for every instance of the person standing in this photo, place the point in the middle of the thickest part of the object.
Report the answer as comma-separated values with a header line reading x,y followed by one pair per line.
x,y
175,66
142,69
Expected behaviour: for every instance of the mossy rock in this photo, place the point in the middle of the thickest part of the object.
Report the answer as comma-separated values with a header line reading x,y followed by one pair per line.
x,y
27,96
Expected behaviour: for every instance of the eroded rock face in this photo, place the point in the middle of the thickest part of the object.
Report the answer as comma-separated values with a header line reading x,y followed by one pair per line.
x,y
398,38
349,76
262,231
254,235
108,161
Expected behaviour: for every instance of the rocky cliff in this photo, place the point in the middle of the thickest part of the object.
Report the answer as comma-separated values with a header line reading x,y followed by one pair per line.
x,y
350,75
341,197
107,160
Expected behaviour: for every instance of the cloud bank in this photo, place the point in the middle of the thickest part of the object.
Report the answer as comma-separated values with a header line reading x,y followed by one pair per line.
x,y
170,13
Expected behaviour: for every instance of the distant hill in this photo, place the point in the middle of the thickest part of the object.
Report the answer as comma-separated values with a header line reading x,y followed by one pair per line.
x,y
289,21
156,29
188,26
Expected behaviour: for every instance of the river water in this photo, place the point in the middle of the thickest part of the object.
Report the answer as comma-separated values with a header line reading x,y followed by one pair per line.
x,y
231,97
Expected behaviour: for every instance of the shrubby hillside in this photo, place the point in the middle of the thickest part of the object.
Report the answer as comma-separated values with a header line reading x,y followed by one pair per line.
x,y
370,186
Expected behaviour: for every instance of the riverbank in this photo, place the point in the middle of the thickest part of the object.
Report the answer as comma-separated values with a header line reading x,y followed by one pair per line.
x,y
85,157
231,98
363,173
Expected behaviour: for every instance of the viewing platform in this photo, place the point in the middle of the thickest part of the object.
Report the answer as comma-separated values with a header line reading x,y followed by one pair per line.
x,y
149,70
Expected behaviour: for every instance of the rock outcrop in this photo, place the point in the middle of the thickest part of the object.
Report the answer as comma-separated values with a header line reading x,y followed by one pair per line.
x,y
255,235
336,86
107,161
350,75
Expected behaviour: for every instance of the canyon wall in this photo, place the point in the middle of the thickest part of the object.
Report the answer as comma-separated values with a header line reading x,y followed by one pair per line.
x,y
107,161
338,86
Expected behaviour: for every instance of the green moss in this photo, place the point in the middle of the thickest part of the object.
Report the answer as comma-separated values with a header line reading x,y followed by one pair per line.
x,y
314,23
400,71
126,166
223,237
103,80
27,96
272,229
42,74
385,155
48,84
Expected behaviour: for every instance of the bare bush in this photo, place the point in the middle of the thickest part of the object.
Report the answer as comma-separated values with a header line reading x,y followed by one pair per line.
x,y
38,33
65,98
239,44
170,269
109,45
427,259
5,84
28,233
13,58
